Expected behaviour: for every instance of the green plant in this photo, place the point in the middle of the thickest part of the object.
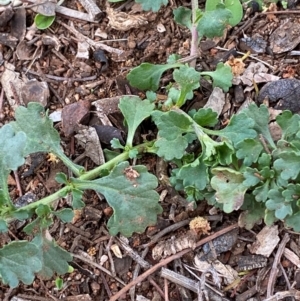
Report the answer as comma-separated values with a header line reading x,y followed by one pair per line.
x,y
236,167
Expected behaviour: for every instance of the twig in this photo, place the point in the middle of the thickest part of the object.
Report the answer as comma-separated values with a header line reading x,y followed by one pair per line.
x,y
136,257
274,269
18,183
167,230
157,287
166,290
93,10
71,13
92,43
112,265
282,295
135,274
98,266
165,261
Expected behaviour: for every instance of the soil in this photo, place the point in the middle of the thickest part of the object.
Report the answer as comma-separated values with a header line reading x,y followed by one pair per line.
x,y
51,56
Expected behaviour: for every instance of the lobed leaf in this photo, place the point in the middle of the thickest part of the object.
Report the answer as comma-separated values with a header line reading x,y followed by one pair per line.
x,y
41,135
19,260
249,150
134,111
260,116
130,192
239,128
234,6
229,187
222,76
213,23
206,117
288,165
54,259
147,76
289,124
172,140
183,16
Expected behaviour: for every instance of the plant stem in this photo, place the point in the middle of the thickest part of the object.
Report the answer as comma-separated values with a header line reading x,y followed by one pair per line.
x,y
87,176
90,175
194,32
47,200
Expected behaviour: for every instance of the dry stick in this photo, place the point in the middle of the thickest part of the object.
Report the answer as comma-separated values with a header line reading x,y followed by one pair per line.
x,y
98,266
274,269
170,259
83,38
71,13
93,10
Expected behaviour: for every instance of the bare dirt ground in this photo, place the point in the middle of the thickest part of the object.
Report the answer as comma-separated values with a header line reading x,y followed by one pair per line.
x,y
51,56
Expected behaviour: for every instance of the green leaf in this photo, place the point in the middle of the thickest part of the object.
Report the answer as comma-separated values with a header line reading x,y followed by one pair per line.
x,y
77,202
153,5
11,148
41,135
260,115
239,128
277,203
130,192
61,178
42,210
249,150
59,283
183,16
54,259
253,212
43,22
3,226
147,76
19,261
213,23
65,215
115,143
288,165
222,76
188,79
294,221
134,111
289,124
171,140
206,117
234,6
292,192
151,96
194,174
261,192
173,58
229,187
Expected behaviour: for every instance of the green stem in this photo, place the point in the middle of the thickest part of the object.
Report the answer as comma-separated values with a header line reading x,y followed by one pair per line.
x,y
47,200
90,175
87,176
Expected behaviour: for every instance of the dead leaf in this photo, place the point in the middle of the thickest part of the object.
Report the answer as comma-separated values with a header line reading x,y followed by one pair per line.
x,y
89,140
73,114
216,100
35,91
266,241
123,21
